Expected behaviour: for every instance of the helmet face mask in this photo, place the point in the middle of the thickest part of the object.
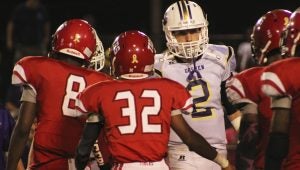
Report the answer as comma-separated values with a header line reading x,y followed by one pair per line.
x,y
97,60
75,38
132,55
185,15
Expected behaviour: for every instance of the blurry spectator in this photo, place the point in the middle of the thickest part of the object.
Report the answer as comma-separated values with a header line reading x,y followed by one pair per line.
x,y
6,127
244,53
12,101
28,30
2,85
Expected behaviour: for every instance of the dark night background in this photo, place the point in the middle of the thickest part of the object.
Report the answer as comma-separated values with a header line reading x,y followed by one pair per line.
x,y
228,20
115,16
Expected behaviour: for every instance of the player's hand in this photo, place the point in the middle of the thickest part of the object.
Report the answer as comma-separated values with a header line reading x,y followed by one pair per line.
x,y
229,167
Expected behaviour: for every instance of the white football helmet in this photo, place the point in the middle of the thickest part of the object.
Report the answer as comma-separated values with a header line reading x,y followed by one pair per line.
x,y
184,15
97,61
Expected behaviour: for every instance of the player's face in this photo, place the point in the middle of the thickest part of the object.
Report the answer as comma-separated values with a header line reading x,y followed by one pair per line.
x,y
187,35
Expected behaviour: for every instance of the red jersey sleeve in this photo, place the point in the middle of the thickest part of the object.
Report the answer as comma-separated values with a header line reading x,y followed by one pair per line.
x,y
181,97
24,73
88,101
244,86
279,78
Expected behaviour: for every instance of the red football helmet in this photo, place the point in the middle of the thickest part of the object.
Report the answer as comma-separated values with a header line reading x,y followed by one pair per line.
x,y
76,38
132,55
267,32
291,36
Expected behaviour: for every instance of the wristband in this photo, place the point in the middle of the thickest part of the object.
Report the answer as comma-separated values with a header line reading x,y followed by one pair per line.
x,y
236,123
283,102
93,118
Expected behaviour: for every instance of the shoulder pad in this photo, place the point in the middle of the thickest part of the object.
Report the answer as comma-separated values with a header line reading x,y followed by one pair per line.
x,y
163,56
219,53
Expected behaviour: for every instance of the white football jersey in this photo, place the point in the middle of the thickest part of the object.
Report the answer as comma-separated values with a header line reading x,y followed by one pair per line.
x,y
208,115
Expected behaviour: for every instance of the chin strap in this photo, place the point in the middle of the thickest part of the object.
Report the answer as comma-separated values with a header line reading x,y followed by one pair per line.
x,y
194,71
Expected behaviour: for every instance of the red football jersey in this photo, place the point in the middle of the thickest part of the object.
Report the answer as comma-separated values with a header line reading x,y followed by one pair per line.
x,y
56,85
246,87
280,79
137,115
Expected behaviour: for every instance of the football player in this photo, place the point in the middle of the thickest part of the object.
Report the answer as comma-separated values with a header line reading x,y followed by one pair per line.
x,y
243,90
137,110
51,85
279,80
202,68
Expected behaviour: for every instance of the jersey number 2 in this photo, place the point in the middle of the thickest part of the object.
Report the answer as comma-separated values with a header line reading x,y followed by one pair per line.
x,y
201,88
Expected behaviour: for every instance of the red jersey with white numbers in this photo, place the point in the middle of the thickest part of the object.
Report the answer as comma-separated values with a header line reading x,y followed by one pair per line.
x,y
245,87
56,85
137,115
282,78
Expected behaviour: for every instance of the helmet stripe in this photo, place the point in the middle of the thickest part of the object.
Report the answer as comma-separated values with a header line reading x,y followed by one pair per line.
x,y
189,9
184,9
180,11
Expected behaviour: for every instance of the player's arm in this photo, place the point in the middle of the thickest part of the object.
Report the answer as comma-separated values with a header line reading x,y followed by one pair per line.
x,y
89,136
277,148
195,141
99,157
30,155
248,136
22,129
233,114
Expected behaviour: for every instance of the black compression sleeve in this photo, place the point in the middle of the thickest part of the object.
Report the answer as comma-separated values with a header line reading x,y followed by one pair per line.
x,y
276,151
246,149
89,136
230,109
